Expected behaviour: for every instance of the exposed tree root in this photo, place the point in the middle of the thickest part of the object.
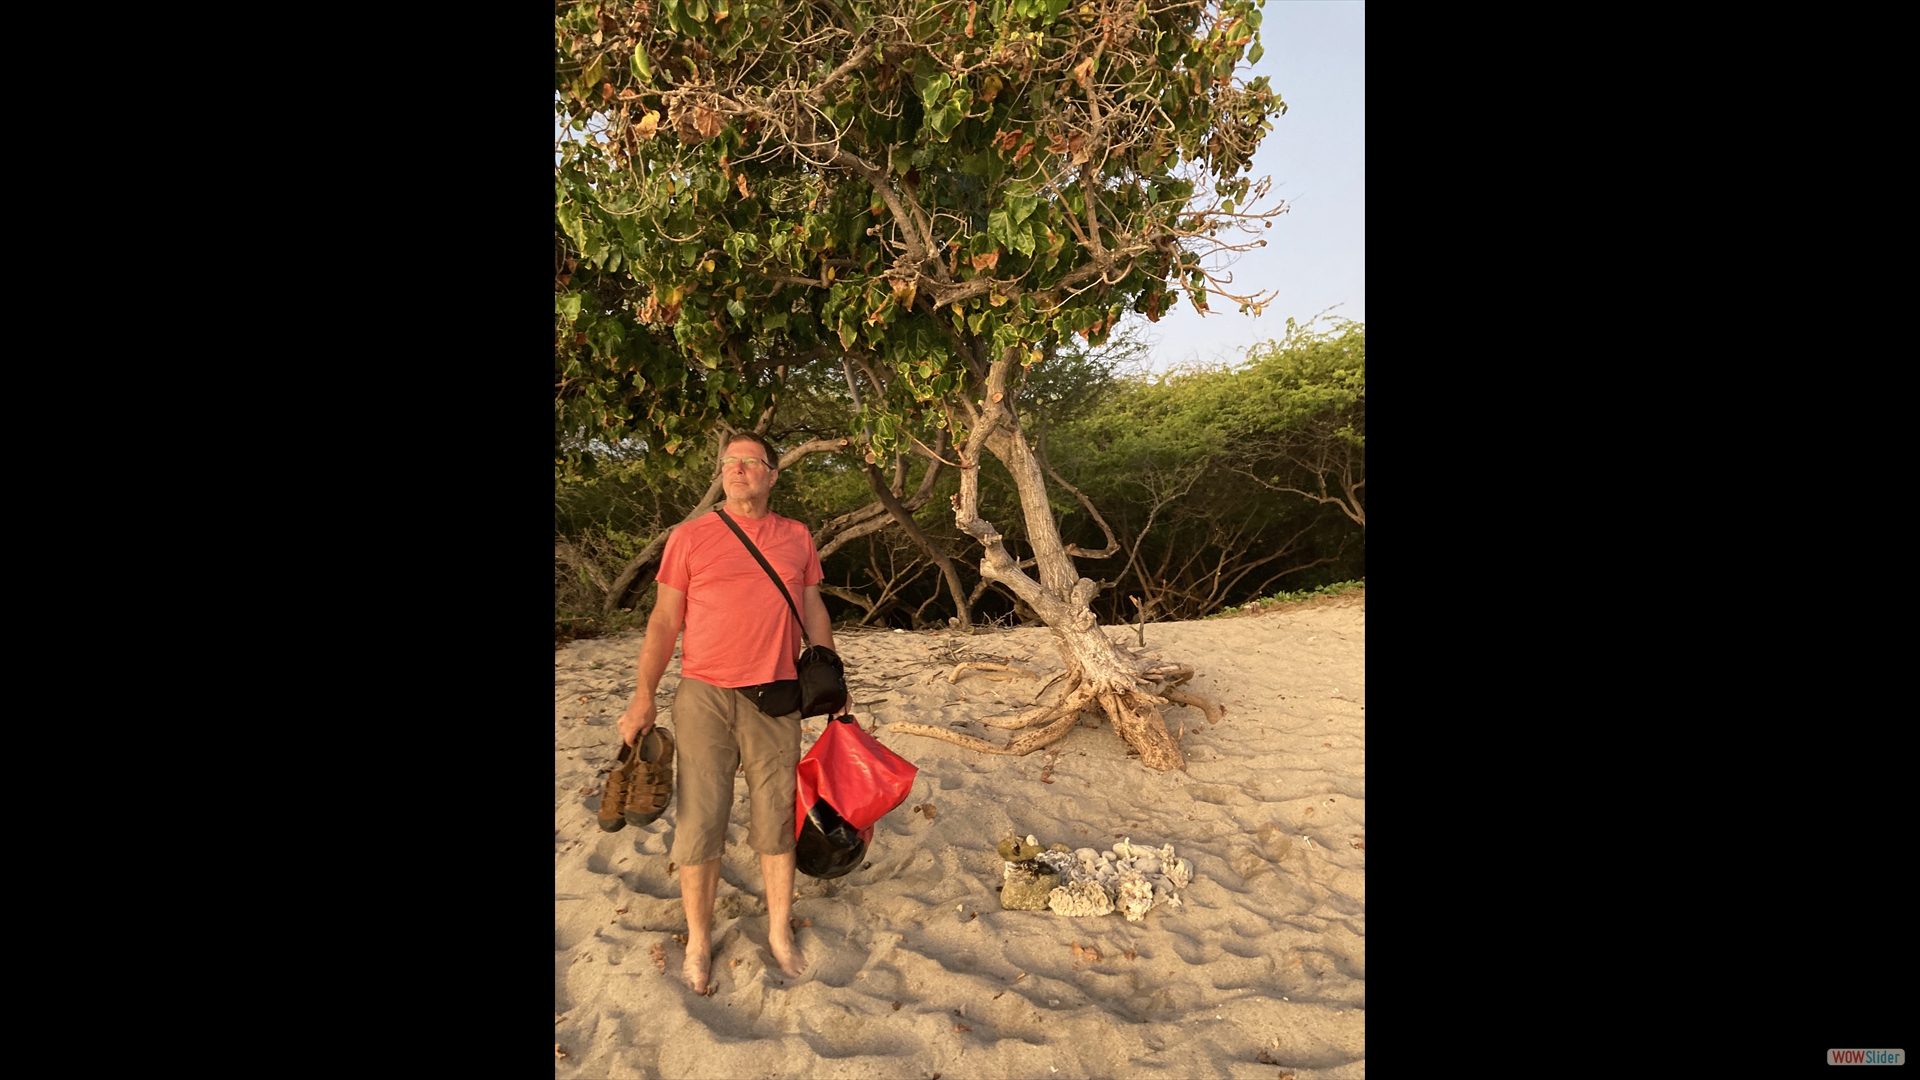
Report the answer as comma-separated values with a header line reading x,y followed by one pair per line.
x,y
1063,717
1141,726
1132,711
1016,721
1203,703
981,665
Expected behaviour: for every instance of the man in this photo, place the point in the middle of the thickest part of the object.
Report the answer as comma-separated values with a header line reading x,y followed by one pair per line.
x,y
739,633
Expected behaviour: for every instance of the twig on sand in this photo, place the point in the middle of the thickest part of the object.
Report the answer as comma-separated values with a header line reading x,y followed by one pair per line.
x,y
981,665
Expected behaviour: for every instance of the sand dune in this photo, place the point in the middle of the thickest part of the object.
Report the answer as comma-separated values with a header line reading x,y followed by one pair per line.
x,y
914,969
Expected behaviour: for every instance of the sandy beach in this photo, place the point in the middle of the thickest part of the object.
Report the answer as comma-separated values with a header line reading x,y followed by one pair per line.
x,y
913,967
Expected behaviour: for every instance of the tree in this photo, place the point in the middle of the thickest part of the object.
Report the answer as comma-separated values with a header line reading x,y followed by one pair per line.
x,y
1300,416
1201,470
932,194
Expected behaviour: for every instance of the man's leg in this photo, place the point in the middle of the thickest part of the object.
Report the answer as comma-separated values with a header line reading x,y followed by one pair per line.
x,y
697,886
770,749
777,872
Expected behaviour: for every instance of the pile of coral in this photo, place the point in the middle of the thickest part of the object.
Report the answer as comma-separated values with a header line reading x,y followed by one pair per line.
x,y
1132,877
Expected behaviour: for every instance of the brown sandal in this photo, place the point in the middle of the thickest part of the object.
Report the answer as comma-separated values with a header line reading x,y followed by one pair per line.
x,y
613,795
649,780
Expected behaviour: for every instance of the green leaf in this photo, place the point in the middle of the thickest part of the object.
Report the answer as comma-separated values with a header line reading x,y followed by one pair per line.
x,y
642,67
736,309
568,306
943,120
776,321
1022,241
1254,54
999,229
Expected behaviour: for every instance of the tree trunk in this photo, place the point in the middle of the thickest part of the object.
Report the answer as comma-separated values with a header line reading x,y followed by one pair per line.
x,y
1125,689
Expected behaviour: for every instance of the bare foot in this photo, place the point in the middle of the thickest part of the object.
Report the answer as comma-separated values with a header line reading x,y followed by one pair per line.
x,y
698,967
780,943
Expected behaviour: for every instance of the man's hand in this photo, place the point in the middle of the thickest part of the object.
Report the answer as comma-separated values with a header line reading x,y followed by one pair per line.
x,y
638,719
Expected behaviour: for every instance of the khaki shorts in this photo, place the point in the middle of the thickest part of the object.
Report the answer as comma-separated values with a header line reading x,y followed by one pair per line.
x,y
717,730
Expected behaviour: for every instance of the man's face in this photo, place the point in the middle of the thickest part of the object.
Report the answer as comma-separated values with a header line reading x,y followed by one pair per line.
x,y
744,480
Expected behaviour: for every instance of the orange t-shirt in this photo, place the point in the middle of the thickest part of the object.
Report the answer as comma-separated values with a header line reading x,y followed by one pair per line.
x,y
739,631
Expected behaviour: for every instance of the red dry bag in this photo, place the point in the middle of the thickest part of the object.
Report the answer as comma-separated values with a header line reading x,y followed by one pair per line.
x,y
861,779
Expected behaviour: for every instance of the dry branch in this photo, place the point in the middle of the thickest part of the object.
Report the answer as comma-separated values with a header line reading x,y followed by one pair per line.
x,y
981,665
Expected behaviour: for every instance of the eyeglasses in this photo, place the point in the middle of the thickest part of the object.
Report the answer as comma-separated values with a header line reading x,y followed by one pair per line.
x,y
743,462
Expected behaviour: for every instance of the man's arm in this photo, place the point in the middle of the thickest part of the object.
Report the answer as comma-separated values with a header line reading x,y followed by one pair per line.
x,y
820,627
656,649
819,623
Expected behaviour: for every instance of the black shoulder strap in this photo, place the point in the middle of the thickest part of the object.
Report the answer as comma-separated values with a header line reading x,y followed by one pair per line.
x,y
764,565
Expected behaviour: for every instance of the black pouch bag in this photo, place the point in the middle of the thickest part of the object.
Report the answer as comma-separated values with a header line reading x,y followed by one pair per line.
x,y
829,847
823,677
823,680
776,698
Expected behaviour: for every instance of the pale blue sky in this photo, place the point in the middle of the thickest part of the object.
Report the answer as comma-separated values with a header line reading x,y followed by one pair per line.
x,y
1316,253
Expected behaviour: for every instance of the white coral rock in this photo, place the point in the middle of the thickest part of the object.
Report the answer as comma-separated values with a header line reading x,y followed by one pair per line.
x,y
1135,896
1179,871
1084,897
1062,862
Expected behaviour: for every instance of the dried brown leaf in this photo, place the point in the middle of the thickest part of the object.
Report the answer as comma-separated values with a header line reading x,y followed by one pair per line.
x,y
681,938
659,954
1265,1058
985,262
896,1006
559,1051
1362,847
706,121
996,997
648,125
740,181
962,1027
